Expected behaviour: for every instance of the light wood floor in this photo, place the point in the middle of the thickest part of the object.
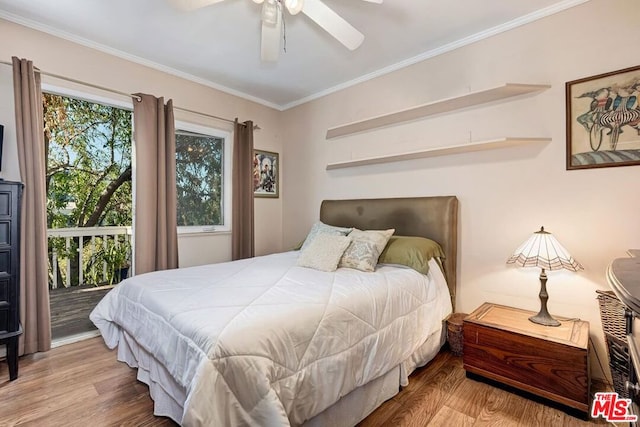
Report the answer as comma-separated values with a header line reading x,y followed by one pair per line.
x,y
82,384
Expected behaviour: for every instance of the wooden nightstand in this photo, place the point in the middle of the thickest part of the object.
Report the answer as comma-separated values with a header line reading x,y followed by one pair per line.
x,y
500,343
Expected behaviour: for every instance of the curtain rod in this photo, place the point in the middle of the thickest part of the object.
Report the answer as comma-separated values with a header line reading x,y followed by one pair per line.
x,y
80,82
255,127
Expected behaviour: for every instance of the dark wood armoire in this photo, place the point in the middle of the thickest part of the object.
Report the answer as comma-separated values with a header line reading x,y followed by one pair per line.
x,y
10,327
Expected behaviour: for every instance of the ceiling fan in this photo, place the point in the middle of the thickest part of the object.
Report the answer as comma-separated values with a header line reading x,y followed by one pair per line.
x,y
272,17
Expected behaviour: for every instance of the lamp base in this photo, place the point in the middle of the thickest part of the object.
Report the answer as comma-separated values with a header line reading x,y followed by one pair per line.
x,y
544,319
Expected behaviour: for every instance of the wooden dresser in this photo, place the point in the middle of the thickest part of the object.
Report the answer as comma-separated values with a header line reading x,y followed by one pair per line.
x,y
501,344
10,328
623,275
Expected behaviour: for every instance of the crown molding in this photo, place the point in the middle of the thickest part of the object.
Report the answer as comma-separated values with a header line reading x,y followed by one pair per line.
x,y
523,20
129,57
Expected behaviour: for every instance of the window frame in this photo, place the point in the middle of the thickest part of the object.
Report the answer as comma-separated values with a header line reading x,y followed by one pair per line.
x,y
111,102
87,96
227,185
69,92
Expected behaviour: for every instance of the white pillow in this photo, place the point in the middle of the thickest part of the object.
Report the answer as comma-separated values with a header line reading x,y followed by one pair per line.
x,y
365,249
322,228
324,252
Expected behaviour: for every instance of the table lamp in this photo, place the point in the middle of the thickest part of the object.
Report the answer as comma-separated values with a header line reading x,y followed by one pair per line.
x,y
544,251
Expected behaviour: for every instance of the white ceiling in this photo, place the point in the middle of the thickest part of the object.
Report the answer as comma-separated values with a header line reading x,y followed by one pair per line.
x,y
220,45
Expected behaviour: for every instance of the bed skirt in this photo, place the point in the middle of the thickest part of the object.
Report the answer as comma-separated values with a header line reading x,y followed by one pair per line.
x,y
361,402
169,396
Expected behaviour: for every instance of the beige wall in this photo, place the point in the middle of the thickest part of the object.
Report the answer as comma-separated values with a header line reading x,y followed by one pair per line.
x,y
10,169
71,60
504,194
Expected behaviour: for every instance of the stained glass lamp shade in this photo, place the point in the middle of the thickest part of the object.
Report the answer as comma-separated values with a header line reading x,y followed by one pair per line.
x,y
544,251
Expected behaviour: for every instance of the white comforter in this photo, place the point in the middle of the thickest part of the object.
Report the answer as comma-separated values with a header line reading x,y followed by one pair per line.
x,y
263,342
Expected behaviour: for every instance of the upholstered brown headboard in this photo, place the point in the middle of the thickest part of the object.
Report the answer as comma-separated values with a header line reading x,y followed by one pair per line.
x,y
432,217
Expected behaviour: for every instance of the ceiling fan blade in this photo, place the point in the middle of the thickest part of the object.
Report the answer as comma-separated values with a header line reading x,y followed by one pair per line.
x,y
189,5
374,1
270,44
333,23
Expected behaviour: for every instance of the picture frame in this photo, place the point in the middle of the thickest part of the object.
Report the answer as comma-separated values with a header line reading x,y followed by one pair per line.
x,y
266,171
603,120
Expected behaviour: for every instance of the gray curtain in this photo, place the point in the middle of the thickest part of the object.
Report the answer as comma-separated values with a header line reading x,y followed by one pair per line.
x,y
242,238
155,232
34,276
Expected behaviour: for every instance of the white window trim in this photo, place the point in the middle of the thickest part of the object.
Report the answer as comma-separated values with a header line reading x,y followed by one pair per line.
x,y
226,180
87,96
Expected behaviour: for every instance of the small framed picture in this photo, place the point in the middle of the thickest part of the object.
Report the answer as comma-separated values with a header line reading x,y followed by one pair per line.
x,y
266,168
603,120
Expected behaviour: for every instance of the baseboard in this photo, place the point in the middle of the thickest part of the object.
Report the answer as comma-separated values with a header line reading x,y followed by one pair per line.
x,y
74,338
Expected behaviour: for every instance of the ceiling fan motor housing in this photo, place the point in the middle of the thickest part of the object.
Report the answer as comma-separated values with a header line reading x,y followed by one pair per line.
x,y
293,6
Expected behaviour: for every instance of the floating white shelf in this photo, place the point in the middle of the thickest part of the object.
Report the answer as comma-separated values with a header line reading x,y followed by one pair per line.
x,y
437,107
438,151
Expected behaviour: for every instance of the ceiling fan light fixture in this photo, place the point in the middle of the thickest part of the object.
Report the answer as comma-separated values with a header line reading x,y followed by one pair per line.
x,y
270,12
258,1
294,6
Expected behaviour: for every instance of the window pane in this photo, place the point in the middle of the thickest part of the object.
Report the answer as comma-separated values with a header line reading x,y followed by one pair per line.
x,y
199,176
88,149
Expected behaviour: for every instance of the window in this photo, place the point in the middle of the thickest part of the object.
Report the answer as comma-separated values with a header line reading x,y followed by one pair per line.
x,y
88,151
88,184
202,179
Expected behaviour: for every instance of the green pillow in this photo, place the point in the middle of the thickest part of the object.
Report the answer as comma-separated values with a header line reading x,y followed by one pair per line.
x,y
412,251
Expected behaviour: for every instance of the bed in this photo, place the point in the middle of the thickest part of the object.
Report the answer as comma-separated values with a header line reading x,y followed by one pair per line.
x,y
265,342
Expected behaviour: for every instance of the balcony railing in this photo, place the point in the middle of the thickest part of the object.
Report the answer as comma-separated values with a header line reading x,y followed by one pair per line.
x,y
74,254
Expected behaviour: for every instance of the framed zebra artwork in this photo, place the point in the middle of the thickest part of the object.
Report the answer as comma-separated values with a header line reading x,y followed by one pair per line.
x,y
603,120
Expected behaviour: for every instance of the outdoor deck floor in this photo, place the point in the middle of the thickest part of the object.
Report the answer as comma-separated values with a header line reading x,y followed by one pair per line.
x,y
70,308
